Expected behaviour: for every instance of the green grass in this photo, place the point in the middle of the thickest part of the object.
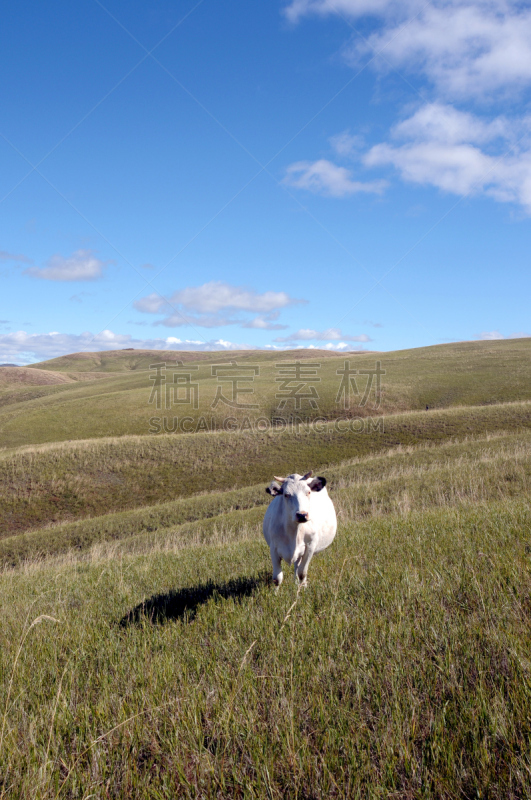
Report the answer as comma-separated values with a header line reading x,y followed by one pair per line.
x,y
57,483
144,652
138,360
404,479
404,668
445,376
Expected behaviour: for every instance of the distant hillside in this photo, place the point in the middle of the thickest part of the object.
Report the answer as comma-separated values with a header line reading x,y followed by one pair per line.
x,y
144,651
128,360
61,482
31,377
114,397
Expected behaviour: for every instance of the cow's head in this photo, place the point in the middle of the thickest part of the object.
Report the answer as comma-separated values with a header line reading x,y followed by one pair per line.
x,y
296,491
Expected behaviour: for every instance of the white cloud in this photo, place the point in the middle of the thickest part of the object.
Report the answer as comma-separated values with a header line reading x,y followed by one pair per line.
x,y
151,304
439,122
265,323
443,151
215,304
25,348
307,334
493,335
300,8
460,169
475,51
346,144
324,177
336,346
488,335
80,266
466,48
217,295
339,346
180,319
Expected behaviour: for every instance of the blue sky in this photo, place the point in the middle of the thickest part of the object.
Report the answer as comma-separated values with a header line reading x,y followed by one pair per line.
x,y
315,173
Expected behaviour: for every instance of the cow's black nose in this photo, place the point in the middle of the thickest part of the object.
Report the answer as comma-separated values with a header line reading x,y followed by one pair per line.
x,y
302,517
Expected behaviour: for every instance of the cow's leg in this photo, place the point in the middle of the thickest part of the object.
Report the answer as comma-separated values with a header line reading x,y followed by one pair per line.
x,y
301,567
277,567
296,567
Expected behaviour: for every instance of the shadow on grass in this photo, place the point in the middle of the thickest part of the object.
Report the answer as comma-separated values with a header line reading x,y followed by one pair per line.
x,y
183,603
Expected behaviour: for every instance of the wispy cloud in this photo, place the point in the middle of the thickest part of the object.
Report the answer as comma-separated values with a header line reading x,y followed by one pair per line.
x,y
27,348
465,48
78,298
460,52
265,322
216,304
5,256
346,144
300,8
334,334
324,177
82,265
492,335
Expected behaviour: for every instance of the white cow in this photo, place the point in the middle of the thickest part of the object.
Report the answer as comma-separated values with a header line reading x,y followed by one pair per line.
x,y
299,521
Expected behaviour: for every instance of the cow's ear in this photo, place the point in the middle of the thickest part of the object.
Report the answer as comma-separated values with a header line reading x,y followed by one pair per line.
x,y
317,484
274,488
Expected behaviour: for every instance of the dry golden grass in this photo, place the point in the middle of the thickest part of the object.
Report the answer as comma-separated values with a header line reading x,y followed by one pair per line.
x,y
27,376
143,653
475,470
402,671
75,480
466,374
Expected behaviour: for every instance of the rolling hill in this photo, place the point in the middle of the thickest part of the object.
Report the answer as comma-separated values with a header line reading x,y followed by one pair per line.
x,y
143,651
130,359
116,403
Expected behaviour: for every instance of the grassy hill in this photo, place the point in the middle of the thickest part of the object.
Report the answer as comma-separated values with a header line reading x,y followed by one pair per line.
x,y
130,360
31,377
167,666
143,651
445,376
472,469
54,483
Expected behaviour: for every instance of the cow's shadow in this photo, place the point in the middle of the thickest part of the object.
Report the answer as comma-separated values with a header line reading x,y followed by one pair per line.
x,y
182,604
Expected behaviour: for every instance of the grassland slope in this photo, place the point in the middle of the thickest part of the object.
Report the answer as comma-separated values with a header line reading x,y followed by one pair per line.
x,y
456,473
445,376
32,377
72,480
182,674
144,654
131,359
